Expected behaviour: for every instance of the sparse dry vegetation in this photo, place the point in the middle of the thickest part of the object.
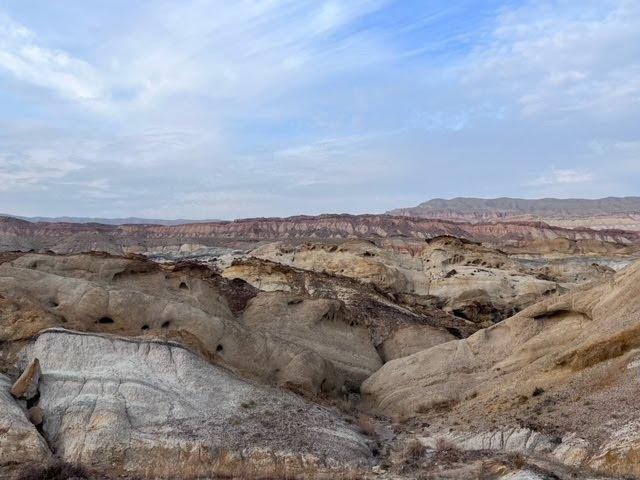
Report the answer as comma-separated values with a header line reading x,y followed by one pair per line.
x,y
447,451
367,426
58,471
414,450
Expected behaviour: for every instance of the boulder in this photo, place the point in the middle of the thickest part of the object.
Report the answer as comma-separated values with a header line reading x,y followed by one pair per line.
x,y
36,415
26,386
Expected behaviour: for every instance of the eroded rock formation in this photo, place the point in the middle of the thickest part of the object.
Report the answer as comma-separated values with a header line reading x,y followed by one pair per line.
x,y
254,365
557,368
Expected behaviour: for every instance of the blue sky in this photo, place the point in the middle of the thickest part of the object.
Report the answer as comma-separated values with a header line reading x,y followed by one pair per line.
x,y
227,109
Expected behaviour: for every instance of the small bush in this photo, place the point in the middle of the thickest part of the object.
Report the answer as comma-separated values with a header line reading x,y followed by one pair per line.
x,y
414,450
447,451
248,405
367,426
58,471
518,461
537,391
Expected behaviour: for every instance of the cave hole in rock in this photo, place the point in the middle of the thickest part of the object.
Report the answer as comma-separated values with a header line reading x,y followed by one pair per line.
x,y
166,324
145,327
219,348
454,331
105,320
460,313
53,303
183,286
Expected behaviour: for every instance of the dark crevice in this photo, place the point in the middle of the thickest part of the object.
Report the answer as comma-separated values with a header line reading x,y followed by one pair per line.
x,y
32,402
105,320
454,331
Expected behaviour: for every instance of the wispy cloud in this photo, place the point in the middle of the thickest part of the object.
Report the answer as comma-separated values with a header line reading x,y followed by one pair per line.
x,y
22,56
218,109
561,176
32,169
575,57
243,50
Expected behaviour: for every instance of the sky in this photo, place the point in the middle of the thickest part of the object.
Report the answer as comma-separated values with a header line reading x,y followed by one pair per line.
x,y
229,109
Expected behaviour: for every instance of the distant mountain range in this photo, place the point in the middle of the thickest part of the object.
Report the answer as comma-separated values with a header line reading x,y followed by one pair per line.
x,y
606,213
17,234
110,221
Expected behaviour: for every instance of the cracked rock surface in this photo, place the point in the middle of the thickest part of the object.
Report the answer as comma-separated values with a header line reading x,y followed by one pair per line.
x,y
154,409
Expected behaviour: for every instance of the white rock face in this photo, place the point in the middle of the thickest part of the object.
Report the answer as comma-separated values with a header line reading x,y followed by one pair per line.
x,y
153,409
20,442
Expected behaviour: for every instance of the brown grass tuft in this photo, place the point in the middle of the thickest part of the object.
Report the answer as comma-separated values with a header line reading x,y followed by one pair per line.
x,y
414,450
447,451
367,426
57,471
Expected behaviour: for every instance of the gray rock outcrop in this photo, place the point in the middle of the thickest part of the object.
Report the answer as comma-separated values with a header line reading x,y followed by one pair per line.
x,y
153,409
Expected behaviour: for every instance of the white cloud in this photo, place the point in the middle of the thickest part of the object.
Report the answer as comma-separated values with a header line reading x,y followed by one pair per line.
x,y
231,51
29,62
561,176
570,57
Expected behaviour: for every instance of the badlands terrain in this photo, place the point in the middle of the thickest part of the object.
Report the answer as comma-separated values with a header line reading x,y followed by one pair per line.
x,y
462,345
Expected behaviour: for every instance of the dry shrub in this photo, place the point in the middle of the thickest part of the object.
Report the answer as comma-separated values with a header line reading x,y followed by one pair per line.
x,y
602,350
367,426
537,391
518,461
414,450
447,451
57,471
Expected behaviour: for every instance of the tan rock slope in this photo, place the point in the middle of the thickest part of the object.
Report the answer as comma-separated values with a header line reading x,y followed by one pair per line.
x,y
160,379
319,324
138,298
564,370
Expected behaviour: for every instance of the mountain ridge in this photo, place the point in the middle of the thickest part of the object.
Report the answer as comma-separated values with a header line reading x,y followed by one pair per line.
x,y
23,235
109,221
621,213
